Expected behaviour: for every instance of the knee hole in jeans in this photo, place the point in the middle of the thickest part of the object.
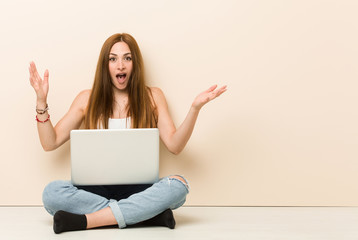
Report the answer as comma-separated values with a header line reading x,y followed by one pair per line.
x,y
181,179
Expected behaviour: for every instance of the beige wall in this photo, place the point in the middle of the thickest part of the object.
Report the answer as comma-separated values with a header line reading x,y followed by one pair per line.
x,y
285,133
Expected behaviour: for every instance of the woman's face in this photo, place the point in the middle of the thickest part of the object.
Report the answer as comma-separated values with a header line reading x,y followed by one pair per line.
x,y
120,65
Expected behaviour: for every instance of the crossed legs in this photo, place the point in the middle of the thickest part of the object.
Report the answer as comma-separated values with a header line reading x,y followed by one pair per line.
x,y
96,211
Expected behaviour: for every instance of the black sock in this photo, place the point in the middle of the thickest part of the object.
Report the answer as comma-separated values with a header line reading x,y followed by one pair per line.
x,y
165,219
65,221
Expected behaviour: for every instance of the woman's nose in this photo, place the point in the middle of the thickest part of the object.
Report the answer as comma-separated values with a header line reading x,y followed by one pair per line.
x,y
120,64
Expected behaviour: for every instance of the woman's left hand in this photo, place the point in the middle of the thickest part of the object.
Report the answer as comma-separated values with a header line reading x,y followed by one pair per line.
x,y
207,96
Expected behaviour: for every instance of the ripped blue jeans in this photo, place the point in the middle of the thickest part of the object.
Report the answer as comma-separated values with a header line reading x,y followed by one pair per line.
x,y
168,192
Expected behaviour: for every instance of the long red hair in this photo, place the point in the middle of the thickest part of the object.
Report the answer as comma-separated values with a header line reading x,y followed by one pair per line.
x,y
141,107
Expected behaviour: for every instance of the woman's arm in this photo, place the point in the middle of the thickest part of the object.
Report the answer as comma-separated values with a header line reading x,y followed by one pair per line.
x,y
53,137
176,139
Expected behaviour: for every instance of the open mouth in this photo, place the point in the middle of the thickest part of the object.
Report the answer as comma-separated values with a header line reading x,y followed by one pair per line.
x,y
121,77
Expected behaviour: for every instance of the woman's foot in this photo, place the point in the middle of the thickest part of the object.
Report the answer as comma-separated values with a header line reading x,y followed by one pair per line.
x,y
165,219
65,221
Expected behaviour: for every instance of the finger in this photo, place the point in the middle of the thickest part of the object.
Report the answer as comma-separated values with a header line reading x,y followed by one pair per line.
x,y
32,67
212,88
32,70
31,80
35,72
219,91
46,75
224,87
32,77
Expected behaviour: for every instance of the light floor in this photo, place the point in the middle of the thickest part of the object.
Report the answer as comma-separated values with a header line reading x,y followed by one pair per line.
x,y
244,223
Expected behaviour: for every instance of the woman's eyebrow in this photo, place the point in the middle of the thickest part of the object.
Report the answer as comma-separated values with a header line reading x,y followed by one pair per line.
x,y
117,55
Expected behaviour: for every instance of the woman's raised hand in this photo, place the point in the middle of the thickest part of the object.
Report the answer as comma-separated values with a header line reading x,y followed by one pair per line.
x,y
40,85
207,96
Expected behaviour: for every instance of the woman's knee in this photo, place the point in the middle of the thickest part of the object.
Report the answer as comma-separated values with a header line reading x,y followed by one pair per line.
x,y
179,189
181,179
53,194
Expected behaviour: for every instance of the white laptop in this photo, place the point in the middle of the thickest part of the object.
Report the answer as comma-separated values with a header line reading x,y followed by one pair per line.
x,y
114,156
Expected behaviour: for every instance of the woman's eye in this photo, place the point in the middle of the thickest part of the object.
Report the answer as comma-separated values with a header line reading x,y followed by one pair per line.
x,y
128,59
112,59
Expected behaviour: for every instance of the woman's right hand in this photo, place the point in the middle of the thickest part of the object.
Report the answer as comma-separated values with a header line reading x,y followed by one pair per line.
x,y
40,85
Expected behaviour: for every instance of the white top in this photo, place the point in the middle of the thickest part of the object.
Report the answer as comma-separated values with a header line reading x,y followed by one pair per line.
x,y
119,123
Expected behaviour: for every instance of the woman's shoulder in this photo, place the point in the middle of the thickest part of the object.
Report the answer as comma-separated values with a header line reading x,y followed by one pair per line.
x,y
156,92
85,93
82,98
158,96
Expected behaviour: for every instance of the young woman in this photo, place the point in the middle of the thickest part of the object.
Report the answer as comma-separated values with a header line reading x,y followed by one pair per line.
x,y
119,98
